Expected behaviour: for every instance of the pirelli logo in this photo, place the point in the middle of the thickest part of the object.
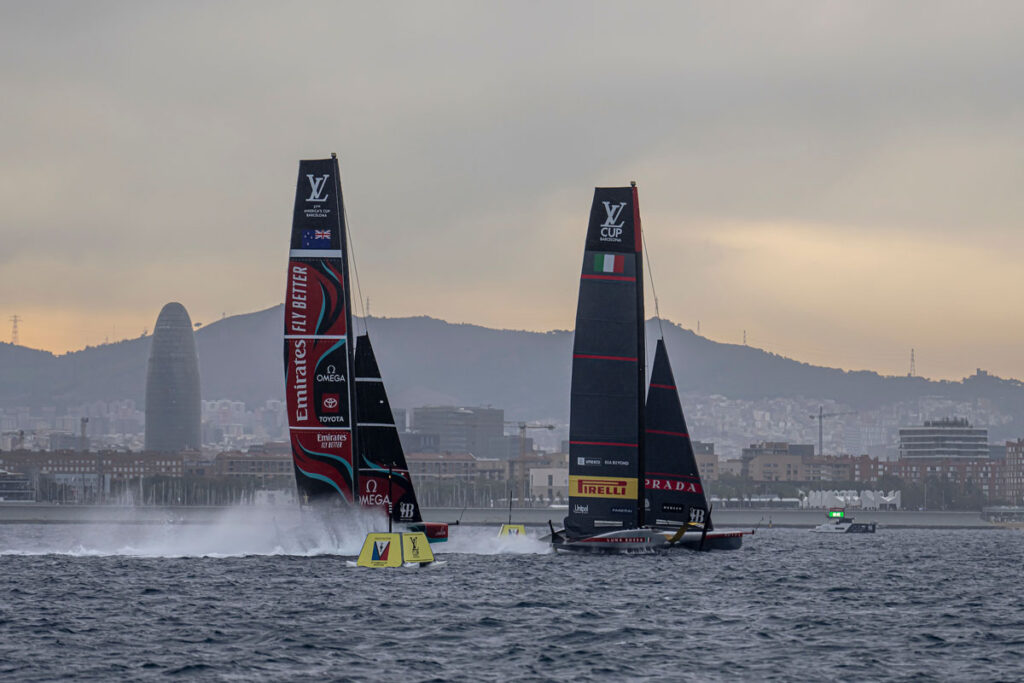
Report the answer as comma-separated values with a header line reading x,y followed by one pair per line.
x,y
602,487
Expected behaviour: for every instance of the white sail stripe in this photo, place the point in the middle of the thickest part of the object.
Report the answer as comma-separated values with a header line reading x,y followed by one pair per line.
x,y
323,429
315,336
369,379
315,253
374,424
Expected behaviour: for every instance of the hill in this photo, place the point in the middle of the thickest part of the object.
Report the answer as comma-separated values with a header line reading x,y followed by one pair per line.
x,y
430,361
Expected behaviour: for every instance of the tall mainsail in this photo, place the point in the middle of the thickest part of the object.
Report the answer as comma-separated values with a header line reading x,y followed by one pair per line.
x,y
380,450
606,439
317,353
672,481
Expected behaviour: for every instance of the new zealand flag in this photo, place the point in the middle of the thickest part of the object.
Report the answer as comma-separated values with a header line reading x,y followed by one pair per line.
x,y
316,239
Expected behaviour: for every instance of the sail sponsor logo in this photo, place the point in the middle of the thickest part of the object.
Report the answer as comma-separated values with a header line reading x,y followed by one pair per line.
x,y
297,298
611,229
622,510
330,374
301,385
371,496
602,487
317,196
578,509
331,439
675,486
405,510
330,403
318,185
584,462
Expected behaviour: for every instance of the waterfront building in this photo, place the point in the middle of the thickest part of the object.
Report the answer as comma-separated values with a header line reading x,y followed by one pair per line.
x,y
549,484
1014,469
173,404
985,475
775,460
948,438
461,429
707,460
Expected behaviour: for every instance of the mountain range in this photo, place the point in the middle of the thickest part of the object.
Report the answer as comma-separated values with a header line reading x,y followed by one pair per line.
x,y
426,361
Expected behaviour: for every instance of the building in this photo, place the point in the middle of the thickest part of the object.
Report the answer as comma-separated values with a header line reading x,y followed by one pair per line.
x,y
948,438
261,465
461,430
775,460
1014,472
707,461
16,488
549,484
173,404
986,476
419,442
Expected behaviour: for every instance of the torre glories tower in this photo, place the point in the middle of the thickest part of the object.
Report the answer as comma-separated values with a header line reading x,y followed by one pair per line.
x,y
173,407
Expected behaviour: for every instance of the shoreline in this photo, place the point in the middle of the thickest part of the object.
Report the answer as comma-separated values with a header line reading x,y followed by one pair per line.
x,y
761,518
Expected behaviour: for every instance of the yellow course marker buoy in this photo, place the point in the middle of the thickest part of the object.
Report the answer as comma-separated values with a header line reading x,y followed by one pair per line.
x,y
393,549
512,530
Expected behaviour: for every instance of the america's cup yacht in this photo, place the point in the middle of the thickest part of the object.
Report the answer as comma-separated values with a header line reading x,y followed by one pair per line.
x,y
633,480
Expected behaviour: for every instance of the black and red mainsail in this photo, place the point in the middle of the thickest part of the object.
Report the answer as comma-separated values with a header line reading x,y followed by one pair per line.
x,y
606,439
384,479
675,495
317,351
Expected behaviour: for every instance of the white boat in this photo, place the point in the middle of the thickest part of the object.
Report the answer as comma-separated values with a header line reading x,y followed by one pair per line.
x,y
839,523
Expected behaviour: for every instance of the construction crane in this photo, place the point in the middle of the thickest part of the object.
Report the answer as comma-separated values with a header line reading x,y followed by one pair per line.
x,y
523,426
820,417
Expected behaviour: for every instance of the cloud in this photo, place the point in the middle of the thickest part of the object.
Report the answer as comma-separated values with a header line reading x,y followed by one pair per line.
x,y
149,154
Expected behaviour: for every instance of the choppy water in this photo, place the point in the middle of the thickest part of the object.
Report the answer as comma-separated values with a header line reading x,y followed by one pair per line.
x,y
240,601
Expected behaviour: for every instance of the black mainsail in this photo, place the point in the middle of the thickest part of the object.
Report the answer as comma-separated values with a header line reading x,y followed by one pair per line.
x,y
384,479
317,353
675,495
606,439
633,479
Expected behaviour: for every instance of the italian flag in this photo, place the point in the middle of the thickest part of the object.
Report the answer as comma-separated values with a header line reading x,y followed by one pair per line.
x,y
609,263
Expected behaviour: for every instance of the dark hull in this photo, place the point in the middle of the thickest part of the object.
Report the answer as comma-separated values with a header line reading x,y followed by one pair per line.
x,y
715,540
619,542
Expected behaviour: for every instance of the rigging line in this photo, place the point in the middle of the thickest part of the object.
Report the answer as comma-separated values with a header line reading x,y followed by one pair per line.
x,y
650,275
355,268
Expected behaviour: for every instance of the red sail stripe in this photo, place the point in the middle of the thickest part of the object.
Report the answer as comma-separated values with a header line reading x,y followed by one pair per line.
x,y
621,278
663,386
601,443
662,431
587,355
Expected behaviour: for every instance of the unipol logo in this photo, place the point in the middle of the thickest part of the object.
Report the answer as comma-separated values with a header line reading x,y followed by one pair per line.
x,y
405,510
317,185
611,229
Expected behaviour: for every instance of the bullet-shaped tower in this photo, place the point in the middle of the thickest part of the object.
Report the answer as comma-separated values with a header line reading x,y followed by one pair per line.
x,y
172,384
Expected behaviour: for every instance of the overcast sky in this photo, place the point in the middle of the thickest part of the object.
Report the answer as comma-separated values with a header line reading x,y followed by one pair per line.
x,y
841,180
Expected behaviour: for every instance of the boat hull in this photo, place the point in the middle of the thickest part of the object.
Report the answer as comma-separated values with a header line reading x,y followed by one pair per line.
x,y
714,540
620,541
846,528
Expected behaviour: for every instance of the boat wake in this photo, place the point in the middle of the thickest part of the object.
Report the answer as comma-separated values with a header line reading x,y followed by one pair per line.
x,y
484,540
242,531
233,532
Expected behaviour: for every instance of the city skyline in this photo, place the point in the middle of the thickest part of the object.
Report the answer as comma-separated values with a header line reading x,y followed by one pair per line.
x,y
839,210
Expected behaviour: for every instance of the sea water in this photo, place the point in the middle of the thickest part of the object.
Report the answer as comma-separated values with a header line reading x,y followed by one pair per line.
x,y
238,601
